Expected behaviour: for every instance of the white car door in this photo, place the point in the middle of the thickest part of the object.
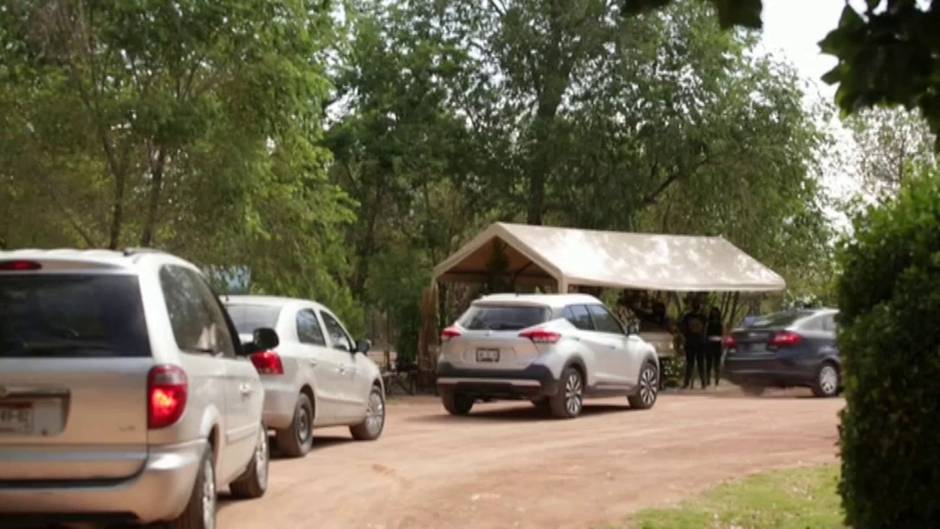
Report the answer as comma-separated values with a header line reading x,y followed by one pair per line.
x,y
611,348
324,364
343,348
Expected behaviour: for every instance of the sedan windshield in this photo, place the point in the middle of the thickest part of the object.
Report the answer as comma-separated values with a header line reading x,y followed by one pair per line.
x,y
248,318
502,318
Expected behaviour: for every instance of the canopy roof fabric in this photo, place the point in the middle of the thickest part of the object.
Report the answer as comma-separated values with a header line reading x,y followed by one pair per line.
x,y
542,255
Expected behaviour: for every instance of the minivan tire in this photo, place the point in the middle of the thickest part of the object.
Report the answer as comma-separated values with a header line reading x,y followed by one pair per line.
x,y
647,388
830,386
194,515
569,401
297,439
254,481
456,403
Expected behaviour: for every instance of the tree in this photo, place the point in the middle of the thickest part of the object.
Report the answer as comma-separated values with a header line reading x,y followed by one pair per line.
x,y
894,145
888,55
189,125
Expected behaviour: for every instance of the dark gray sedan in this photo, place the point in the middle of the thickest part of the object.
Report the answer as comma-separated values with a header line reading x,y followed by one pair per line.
x,y
786,349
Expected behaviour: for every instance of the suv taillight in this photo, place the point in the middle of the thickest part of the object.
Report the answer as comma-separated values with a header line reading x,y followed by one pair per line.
x,y
167,388
730,343
541,336
19,266
268,363
786,339
448,333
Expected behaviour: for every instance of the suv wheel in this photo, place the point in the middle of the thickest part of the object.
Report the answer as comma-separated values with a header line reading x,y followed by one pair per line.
x,y
456,403
827,381
646,393
567,403
200,511
371,428
297,439
254,481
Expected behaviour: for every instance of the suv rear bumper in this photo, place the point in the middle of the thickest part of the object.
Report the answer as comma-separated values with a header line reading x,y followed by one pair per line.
x,y
158,492
532,382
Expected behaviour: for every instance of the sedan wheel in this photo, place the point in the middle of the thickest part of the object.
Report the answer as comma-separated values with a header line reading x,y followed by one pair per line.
x,y
371,428
827,381
648,388
568,402
297,439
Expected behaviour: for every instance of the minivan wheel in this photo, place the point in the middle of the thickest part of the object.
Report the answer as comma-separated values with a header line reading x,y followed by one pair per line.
x,y
827,381
297,439
254,481
568,402
646,393
371,427
456,403
200,511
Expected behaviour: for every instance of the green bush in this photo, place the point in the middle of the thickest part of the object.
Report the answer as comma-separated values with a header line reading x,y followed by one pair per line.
x,y
889,295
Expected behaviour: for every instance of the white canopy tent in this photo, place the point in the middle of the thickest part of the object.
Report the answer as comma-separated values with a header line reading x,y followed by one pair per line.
x,y
559,258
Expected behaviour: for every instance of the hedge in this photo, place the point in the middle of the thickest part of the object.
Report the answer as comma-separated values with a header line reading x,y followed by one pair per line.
x,y
889,296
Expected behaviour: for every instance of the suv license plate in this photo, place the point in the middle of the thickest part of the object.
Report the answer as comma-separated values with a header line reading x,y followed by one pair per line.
x,y
16,418
487,355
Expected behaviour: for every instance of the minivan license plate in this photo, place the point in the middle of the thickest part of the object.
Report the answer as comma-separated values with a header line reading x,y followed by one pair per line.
x,y
16,418
487,355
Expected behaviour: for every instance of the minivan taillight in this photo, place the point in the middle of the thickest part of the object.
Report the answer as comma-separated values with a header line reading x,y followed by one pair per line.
x,y
448,333
167,388
268,363
541,336
786,339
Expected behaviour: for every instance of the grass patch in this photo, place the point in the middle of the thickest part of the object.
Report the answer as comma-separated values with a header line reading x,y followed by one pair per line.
x,y
788,499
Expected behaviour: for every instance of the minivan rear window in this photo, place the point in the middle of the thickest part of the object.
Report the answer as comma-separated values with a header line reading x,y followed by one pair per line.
x,y
248,318
502,318
71,315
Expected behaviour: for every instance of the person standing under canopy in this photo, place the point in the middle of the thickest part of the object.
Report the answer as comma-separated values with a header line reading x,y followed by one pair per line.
x,y
693,326
715,331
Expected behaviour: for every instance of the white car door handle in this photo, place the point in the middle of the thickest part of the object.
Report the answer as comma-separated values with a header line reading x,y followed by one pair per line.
x,y
313,363
246,389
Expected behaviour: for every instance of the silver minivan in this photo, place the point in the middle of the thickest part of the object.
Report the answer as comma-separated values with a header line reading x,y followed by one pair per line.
x,y
123,393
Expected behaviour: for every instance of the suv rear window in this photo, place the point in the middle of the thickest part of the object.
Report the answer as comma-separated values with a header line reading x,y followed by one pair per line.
x,y
71,315
778,319
248,318
502,318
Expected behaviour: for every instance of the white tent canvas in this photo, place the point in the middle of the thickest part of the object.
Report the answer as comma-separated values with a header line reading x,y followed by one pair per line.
x,y
564,257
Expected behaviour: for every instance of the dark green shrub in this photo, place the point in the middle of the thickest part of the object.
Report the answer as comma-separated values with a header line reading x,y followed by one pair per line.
x,y
889,295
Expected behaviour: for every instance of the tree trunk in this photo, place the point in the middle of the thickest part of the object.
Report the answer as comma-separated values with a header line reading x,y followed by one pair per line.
x,y
117,211
153,202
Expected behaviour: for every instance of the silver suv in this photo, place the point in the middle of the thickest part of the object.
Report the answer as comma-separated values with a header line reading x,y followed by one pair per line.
x,y
554,350
123,397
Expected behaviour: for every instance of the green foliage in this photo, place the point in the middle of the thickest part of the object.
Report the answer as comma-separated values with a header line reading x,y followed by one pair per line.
x,y
890,54
744,13
889,295
787,499
188,125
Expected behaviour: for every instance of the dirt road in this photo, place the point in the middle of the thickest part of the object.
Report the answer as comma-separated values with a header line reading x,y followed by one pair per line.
x,y
509,466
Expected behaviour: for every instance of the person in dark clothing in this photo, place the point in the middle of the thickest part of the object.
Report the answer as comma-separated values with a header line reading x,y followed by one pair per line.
x,y
714,332
693,331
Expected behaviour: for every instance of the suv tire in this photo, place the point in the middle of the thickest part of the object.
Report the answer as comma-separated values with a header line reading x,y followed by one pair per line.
x,y
200,511
371,427
297,439
827,381
647,388
254,481
456,403
568,402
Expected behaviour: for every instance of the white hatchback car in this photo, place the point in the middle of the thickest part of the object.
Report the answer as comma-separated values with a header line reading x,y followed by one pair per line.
x,y
554,350
314,378
123,394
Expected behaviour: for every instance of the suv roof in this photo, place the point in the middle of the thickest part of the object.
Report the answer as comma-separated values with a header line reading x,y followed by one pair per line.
x,y
270,301
555,301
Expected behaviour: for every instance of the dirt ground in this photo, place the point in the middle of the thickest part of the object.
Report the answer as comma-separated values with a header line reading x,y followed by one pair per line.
x,y
508,465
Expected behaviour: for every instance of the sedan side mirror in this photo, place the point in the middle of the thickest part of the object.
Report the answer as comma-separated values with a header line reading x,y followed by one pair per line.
x,y
363,346
265,338
632,329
